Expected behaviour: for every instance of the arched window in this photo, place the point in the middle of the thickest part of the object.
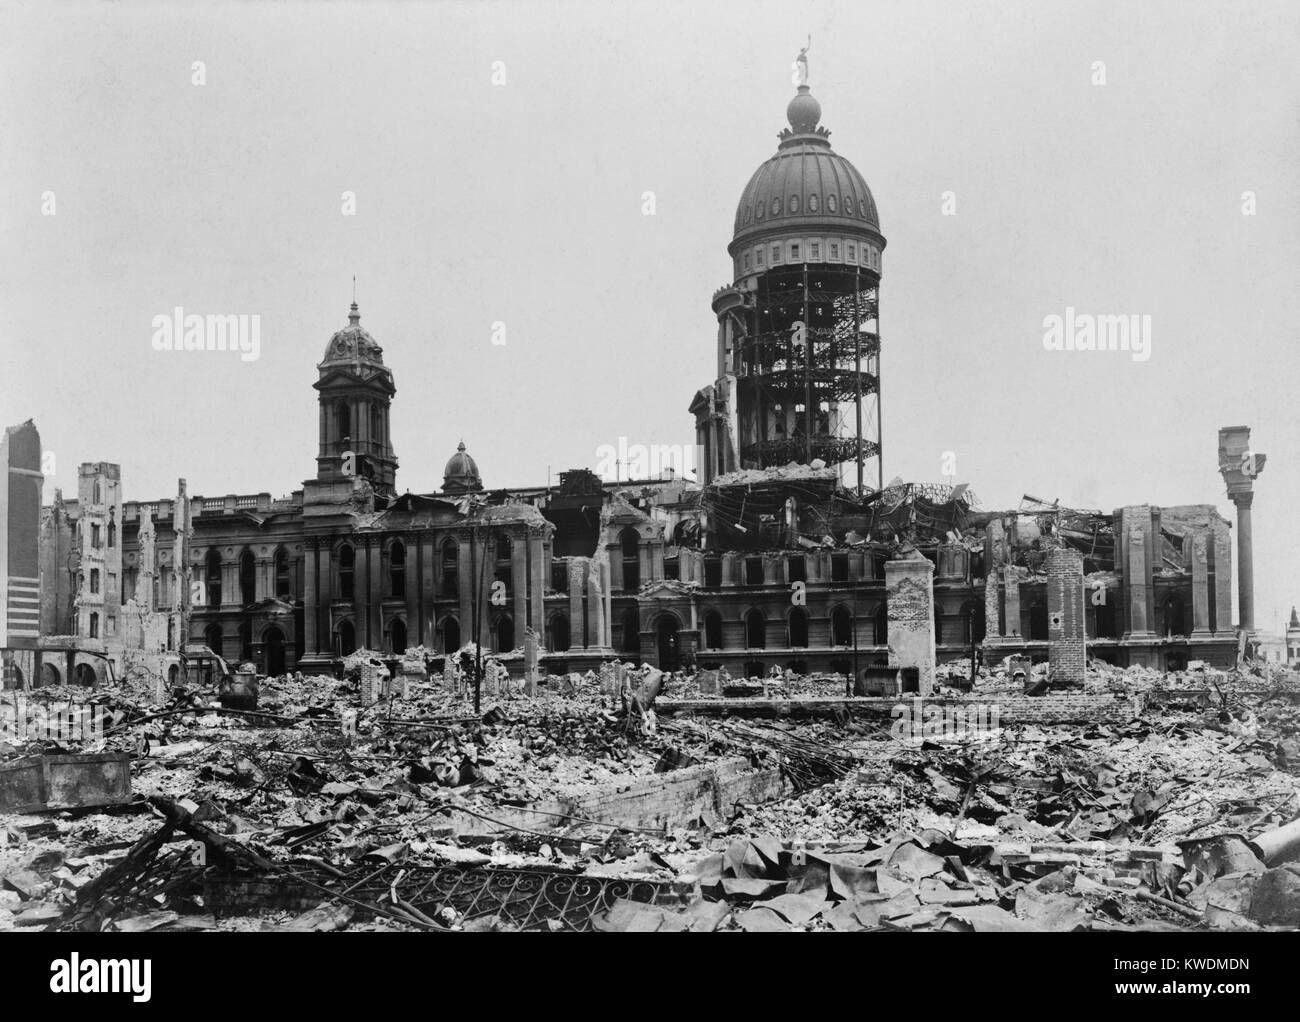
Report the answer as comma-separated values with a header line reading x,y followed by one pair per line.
x,y
798,623
630,541
347,636
94,580
212,638
347,572
246,640
755,630
213,580
345,421
376,425
505,633
450,568
882,625
559,639
848,204
450,635
830,203
247,578
397,636
94,626
812,203
397,569
713,630
112,533
794,204
841,627
283,583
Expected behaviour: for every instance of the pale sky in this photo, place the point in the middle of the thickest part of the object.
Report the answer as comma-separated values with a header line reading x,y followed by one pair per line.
x,y
521,203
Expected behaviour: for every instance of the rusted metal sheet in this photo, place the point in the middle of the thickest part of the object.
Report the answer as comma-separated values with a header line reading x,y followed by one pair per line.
x,y
37,784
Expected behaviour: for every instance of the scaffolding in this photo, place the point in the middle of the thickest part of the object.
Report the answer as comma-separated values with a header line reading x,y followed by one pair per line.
x,y
809,369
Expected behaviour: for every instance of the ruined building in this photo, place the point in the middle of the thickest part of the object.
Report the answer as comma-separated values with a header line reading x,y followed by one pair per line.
x,y
790,550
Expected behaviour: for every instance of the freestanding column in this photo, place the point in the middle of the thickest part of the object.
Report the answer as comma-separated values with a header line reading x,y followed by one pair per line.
x,y
909,599
1245,563
1239,466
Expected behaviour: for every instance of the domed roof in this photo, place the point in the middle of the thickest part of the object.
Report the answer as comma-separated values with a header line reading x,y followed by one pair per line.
x,y
806,184
461,474
353,344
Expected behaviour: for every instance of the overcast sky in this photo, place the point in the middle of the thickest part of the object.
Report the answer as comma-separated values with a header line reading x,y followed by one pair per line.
x,y
521,203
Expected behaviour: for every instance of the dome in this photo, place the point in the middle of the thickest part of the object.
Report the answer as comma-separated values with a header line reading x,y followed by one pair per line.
x,y
461,474
353,343
806,187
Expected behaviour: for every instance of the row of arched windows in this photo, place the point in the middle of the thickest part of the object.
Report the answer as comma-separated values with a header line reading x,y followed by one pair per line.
x,y
247,575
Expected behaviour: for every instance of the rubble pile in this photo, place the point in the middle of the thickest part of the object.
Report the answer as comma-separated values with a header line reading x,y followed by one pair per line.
x,y
323,810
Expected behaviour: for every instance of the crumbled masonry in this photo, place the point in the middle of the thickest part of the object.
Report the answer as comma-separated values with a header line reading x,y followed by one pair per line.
x,y
1140,800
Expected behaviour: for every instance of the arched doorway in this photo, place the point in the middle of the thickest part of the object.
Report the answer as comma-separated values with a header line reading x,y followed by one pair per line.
x,y
666,642
755,630
50,675
450,635
347,638
274,644
397,635
84,675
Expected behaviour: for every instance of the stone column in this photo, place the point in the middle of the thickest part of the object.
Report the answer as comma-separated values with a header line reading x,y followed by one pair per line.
x,y
1066,626
909,595
428,592
1245,562
465,582
311,635
324,597
1240,466
519,584
1200,585
577,586
538,561
374,594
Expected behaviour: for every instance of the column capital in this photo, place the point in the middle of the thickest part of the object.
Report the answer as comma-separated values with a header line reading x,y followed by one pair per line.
x,y
1243,500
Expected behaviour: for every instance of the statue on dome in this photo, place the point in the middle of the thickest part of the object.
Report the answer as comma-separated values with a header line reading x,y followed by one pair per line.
x,y
800,65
